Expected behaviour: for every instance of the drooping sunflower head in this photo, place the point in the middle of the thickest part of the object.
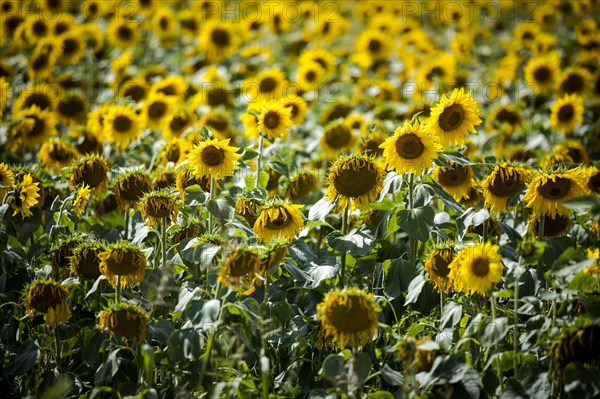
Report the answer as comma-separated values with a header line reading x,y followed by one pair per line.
x,y
355,181
548,190
411,149
272,257
454,117
125,260
476,269
90,171
591,178
274,120
505,180
580,345
85,260
7,180
125,321
130,187
158,206
279,221
50,298
248,208
181,231
347,317
122,125
337,138
456,179
239,269
566,113
61,253
557,225
213,157
301,185
436,267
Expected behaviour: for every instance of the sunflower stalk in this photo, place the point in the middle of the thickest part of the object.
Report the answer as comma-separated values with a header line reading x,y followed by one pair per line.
x,y
126,233
259,161
211,337
164,242
345,216
57,347
515,330
411,204
118,289
212,198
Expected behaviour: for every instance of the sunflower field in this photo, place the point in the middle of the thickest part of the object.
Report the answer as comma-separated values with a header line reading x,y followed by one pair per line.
x,y
299,199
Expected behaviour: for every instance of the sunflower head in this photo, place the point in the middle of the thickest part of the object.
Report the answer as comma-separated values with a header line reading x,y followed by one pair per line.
x,y
124,259
337,138
301,185
81,200
158,206
122,125
130,187
279,221
548,190
213,157
591,177
579,345
355,181
50,298
274,120
436,267
410,149
239,269
106,204
456,179
554,225
505,180
85,260
90,171
7,180
181,231
26,195
542,73
248,208
347,317
476,268
125,321
35,126
566,113
57,154
272,257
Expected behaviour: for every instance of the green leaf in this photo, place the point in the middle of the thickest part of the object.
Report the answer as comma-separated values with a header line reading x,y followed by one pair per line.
x,y
391,376
194,196
451,315
417,222
493,331
357,242
333,367
583,282
109,369
320,209
184,345
414,289
27,357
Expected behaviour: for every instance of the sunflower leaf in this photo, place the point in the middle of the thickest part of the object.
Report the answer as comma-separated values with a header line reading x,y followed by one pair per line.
x,y
358,242
417,222
414,289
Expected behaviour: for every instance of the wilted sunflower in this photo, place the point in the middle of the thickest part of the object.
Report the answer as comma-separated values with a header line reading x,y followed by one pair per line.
x,y
548,190
180,231
125,321
81,199
557,225
542,73
456,179
248,208
57,154
591,178
122,125
301,185
218,39
337,138
506,118
213,157
504,181
279,221
85,260
50,298
436,267
566,113
239,269
125,260
105,204
61,253
454,117
37,125
7,180
26,195
355,181
274,120
91,171
410,149
130,187
272,257
581,345
476,269
347,317
159,205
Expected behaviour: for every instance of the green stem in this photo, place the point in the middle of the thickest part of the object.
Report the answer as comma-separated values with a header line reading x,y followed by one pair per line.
x,y
164,243
259,161
441,302
542,225
118,290
264,370
345,216
57,347
212,198
266,296
498,370
515,331
493,305
126,224
485,231
211,338
411,205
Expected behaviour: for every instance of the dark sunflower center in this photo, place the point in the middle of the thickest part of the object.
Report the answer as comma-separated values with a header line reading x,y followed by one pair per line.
x,y
163,24
435,71
168,90
72,107
372,147
242,263
273,180
123,262
351,317
271,120
375,46
122,124
282,220
40,62
217,96
125,323
594,183
213,156
178,123
542,74
480,267
220,37
173,153
40,29
125,33
554,190
555,226
45,296
452,117
218,123
157,110
440,266
133,187
355,182
267,85
338,136
135,92
39,99
340,110
576,155
87,263
60,154
507,116
566,113
409,146
505,188
311,76
38,127
573,83
70,46
455,176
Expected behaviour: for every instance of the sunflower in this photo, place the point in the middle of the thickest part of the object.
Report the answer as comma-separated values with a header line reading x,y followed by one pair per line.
x,y
38,125
504,181
90,171
43,95
548,190
370,145
37,27
297,106
125,260
279,221
57,154
267,85
26,195
158,206
476,268
591,179
122,33
130,187
374,45
301,185
567,112
321,56
164,178
84,261
557,225
44,58
155,108
454,117
239,269
164,23
95,121
125,321
355,181
506,118
218,123
248,208
337,138
542,73
580,345
575,150
411,149
7,180
122,125
135,89
250,122
455,179
436,267
50,298
575,81
348,317
176,150
73,47
310,75
180,231
218,39
61,252
177,122
186,177
72,109
274,120
271,258
213,157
